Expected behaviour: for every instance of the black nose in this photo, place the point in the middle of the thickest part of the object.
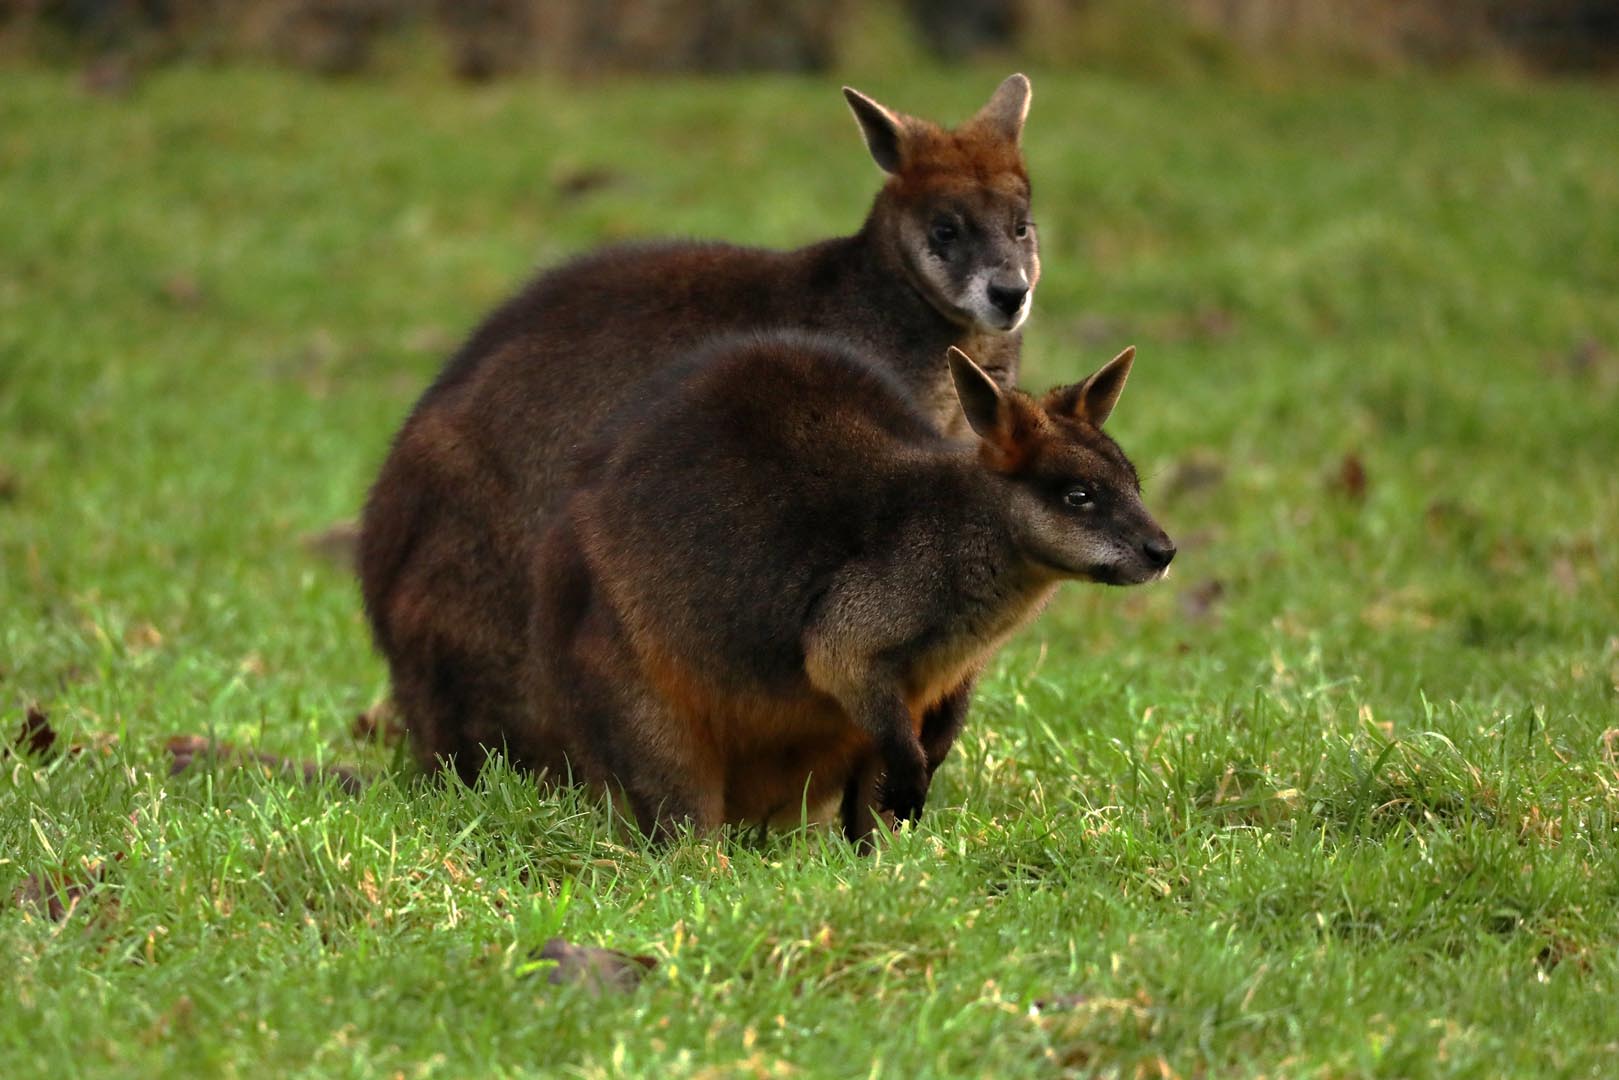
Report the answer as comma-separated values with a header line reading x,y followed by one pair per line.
x,y
1006,299
1159,551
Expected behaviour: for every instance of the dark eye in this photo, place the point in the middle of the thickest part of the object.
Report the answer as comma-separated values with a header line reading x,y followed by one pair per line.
x,y
1022,230
943,232
1077,498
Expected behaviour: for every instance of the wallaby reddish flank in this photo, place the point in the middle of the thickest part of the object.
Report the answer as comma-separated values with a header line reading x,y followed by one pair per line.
x,y
947,256
776,585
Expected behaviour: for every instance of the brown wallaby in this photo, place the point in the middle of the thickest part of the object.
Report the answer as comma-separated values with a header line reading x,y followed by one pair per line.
x,y
947,256
776,583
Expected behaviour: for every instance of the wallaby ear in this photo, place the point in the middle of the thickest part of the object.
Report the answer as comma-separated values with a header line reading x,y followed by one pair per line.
x,y
981,399
1006,109
883,130
1093,399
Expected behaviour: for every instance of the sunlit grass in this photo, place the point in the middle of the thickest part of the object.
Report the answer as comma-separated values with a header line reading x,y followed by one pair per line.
x,y
1337,799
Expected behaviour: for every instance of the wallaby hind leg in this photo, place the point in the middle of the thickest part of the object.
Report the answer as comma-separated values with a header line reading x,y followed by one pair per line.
x,y
669,778
455,663
587,688
456,711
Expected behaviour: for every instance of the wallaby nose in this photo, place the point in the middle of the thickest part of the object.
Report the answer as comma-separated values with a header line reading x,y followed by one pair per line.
x,y
1007,298
1159,551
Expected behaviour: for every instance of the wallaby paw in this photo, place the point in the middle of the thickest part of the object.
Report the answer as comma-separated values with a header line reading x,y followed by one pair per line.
x,y
903,794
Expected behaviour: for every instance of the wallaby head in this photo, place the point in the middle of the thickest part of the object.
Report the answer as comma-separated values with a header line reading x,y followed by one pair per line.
x,y
1073,498
955,209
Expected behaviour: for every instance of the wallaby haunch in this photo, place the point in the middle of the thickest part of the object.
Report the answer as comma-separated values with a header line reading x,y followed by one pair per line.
x,y
947,256
776,584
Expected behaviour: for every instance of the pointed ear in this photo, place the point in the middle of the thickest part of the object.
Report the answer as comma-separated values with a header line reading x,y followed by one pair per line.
x,y
981,399
1093,399
1006,109
884,131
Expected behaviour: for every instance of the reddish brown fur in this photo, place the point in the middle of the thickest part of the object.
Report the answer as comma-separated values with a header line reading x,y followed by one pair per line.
x,y
778,583
456,518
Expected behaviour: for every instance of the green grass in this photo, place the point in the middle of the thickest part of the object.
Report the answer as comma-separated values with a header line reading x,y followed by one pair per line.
x,y
1355,817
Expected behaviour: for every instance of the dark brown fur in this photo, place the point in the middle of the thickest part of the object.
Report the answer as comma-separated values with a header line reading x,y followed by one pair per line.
x,y
775,586
451,527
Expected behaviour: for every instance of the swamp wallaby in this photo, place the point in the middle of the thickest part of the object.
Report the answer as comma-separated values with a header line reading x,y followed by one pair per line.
x,y
777,582
947,256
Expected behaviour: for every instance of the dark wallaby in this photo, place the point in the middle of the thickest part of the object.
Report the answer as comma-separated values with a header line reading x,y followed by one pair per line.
x,y
946,256
778,582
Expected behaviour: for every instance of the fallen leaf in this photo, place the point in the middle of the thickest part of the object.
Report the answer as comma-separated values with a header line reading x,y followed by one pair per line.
x,y
1200,601
36,737
182,290
598,970
1197,471
1093,329
143,636
338,544
577,183
1566,577
1591,361
380,723
55,893
9,487
108,76
1351,478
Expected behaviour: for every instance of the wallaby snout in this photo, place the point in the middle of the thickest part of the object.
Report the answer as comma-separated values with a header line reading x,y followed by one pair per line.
x,y
1008,299
1160,550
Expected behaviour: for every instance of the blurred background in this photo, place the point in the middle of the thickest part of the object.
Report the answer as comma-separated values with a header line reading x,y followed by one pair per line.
x,y
485,39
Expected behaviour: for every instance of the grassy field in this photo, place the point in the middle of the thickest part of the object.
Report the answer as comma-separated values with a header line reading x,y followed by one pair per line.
x,y
1338,799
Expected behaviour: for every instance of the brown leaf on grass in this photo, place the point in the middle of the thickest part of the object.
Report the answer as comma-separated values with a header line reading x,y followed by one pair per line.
x,y
1590,361
182,290
1094,329
380,723
10,488
1201,601
1203,325
1350,479
186,750
337,544
55,893
179,1019
111,76
1610,746
599,971
142,637
1561,949
1198,471
36,736
577,183
1566,577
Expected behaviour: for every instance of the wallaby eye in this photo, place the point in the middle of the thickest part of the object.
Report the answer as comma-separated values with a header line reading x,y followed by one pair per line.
x,y
943,232
1023,229
1077,498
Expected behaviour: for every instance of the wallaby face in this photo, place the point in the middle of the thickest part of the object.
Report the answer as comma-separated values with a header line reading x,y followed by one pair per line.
x,y
955,209
1074,498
